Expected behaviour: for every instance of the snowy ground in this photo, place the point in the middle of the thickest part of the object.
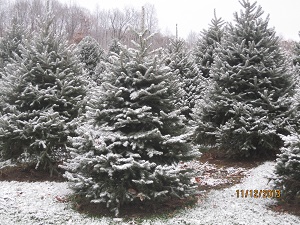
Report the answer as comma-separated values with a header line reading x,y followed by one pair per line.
x,y
207,174
42,203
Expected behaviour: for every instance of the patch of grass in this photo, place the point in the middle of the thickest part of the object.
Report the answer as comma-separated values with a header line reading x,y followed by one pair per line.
x,y
28,173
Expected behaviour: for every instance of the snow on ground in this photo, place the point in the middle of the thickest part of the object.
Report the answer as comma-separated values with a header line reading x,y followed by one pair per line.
x,y
38,203
223,206
42,203
207,174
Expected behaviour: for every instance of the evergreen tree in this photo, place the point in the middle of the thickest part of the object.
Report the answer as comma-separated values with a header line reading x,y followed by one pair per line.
x,y
288,162
250,104
42,92
296,59
115,47
205,47
288,168
190,80
90,53
130,147
9,43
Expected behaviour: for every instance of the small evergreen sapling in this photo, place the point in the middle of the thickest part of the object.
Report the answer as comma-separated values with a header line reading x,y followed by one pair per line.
x,y
134,138
90,53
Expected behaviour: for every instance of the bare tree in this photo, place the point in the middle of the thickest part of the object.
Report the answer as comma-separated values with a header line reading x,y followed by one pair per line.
x,y
192,39
77,22
3,15
120,22
100,28
36,9
60,16
151,21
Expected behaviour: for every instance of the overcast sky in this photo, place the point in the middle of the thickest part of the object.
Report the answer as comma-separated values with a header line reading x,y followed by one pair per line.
x,y
195,15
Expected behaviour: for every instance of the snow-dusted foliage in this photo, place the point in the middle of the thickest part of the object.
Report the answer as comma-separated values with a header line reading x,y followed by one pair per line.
x,y
205,47
9,43
42,91
134,138
90,53
296,51
191,83
288,162
250,104
295,67
288,168
106,57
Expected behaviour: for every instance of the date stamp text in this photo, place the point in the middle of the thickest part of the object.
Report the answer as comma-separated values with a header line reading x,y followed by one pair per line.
x,y
258,193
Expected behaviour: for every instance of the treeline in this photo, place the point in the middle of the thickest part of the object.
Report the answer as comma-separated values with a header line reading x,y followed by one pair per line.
x,y
104,25
77,22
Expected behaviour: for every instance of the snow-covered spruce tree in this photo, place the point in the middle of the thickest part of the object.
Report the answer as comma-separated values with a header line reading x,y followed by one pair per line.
x,y
250,104
131,146
192,83
288,162
9,43
90,53
42,92
205,47
288,168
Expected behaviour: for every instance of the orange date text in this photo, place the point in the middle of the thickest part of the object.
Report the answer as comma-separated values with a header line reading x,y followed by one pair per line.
x,y
258,193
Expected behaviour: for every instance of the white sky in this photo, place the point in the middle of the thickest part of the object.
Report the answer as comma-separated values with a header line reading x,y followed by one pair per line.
x,y
195,15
